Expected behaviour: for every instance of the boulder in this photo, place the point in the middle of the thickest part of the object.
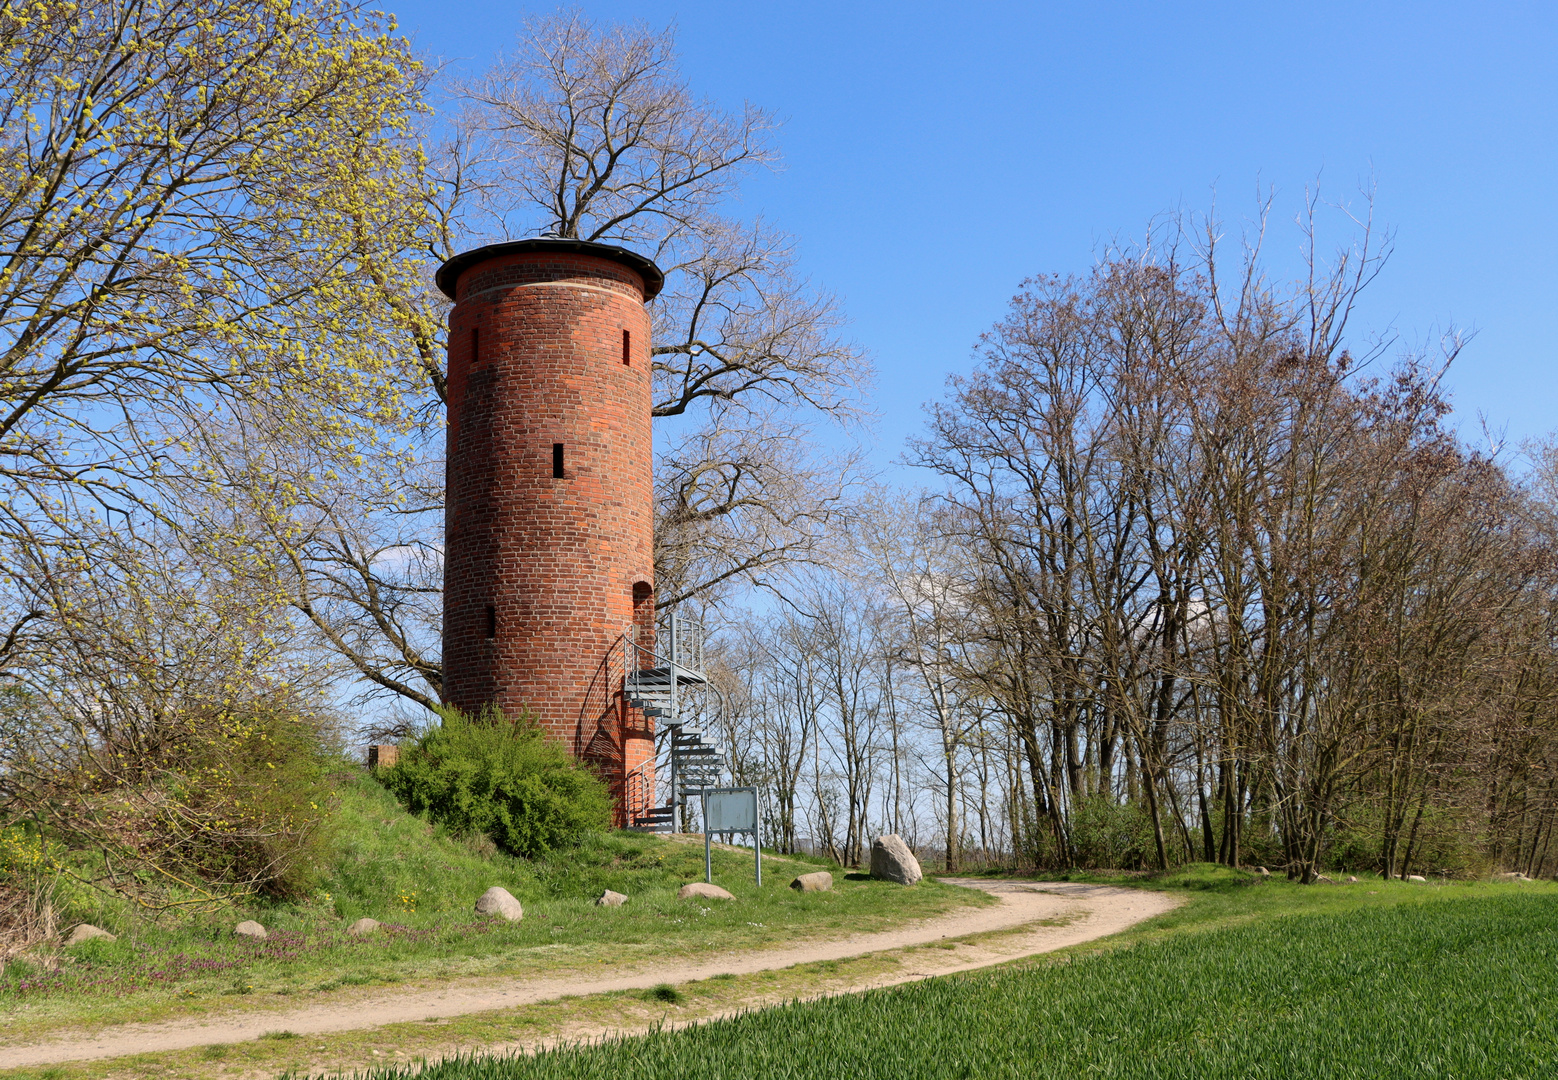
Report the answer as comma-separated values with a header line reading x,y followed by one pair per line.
x,y
610,899
891,860
499,901
703,889
821,881
87,932
363,927
1416,877
250,928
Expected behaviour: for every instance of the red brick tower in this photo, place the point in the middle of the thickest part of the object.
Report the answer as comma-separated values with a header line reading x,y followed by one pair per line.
x,y
548,526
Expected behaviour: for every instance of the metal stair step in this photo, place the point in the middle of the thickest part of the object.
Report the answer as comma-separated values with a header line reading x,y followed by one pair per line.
x,y
685,676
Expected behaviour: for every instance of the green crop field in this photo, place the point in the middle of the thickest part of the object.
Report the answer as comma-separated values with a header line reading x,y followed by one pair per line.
x,y
1459,984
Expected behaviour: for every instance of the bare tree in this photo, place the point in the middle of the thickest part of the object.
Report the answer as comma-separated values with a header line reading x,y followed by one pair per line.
x,y
594,127
927,585
591,132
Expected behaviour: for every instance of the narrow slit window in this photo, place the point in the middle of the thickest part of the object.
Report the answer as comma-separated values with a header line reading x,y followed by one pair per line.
x,y
475,344
627,348
492,622
557,461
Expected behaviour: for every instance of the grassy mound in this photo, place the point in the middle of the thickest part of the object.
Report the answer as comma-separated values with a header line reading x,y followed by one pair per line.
x,y
1461,987
421,882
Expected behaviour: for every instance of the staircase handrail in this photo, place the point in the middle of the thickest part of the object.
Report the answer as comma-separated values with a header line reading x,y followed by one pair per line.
x,y
634,794
689,657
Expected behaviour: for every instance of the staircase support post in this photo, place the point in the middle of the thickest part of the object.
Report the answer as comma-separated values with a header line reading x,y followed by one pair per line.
x,y
708,857
674,724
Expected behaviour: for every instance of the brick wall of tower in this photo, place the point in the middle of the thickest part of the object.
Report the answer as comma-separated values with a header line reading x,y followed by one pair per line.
x,y
540,571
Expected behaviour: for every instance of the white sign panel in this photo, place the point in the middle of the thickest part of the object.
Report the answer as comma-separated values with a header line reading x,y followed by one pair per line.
x,y
730,811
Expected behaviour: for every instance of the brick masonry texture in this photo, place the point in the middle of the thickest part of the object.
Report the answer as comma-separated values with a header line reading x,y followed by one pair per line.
x,y
549,566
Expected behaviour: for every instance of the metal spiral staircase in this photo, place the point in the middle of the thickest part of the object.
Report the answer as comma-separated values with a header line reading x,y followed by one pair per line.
x,y
660,682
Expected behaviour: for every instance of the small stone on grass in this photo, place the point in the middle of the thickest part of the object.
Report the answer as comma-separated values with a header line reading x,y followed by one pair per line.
x,y
499,901
704,889
88,932
821,881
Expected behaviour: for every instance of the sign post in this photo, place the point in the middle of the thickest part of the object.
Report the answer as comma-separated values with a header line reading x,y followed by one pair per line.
x,y
731,810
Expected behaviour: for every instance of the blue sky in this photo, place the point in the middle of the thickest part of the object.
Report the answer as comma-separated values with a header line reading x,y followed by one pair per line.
x,y
937,154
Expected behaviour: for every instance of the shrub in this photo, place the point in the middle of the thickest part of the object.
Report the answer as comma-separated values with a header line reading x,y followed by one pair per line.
x,y
503,779
27,914
195,807
257,780
1109,834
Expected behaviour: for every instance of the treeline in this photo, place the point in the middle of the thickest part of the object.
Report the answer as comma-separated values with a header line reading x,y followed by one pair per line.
x,y
1194,581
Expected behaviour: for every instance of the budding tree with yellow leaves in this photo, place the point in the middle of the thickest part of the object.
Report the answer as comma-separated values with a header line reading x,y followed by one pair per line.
x,y
204,206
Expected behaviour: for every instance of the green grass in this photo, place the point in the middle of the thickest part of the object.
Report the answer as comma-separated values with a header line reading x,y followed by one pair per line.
x,y
421,883
1364,980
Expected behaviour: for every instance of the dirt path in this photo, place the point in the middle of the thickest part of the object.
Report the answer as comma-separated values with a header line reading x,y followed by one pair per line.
x,y
1084,912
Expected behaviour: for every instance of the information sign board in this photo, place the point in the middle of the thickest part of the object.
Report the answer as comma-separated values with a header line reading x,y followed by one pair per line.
x,y
730,811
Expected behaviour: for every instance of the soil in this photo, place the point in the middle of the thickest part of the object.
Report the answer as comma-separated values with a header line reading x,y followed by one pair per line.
x,y
1048,916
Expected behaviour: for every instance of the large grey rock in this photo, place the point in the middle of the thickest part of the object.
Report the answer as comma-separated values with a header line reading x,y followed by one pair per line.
x,y
87,932
891,860
821,881
250,928
363,927
703,889
611,899
499,901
